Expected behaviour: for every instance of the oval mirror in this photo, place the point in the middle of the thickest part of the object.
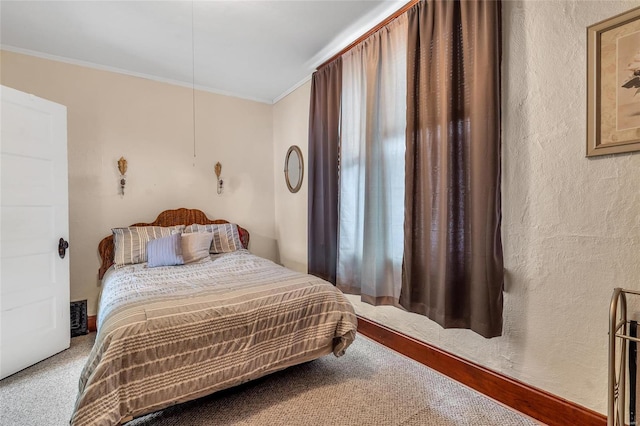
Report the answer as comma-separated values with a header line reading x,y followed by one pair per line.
x,y
293,168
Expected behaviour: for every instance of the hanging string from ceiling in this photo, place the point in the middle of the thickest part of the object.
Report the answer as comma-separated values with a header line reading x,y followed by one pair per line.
x,y
193,78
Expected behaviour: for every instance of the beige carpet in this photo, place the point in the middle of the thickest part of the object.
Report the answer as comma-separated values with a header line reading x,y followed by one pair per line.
x,y
370,385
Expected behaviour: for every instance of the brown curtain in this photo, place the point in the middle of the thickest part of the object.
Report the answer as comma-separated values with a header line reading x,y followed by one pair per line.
x,y
452,268
324,135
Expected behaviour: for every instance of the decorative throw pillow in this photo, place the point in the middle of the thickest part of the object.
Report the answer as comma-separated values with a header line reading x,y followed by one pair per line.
x,y
195,246
131,243
225,236
165,251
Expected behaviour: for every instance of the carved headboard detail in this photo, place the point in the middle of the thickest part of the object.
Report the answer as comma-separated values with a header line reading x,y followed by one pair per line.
x,y
180,216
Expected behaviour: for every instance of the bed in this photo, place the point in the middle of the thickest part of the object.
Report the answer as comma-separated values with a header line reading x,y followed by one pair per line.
x,y
170,334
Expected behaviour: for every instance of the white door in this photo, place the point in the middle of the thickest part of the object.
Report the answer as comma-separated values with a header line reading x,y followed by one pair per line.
x,y
34,280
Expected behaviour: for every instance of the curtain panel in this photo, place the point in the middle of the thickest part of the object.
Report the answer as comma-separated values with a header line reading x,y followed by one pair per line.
x,y
372,150
324,135
453,267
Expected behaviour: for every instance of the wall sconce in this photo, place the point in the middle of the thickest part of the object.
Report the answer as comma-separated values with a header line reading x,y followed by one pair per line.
x,y
218,170
122,166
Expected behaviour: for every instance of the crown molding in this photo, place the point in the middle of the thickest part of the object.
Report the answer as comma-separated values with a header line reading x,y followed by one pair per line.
x,y
292,89
99,67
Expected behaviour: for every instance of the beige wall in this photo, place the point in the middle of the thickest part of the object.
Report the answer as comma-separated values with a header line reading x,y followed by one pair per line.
x,y
151,125
291,127
571,225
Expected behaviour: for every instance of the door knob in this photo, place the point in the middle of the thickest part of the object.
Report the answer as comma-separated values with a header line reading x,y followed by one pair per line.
x,y
62,247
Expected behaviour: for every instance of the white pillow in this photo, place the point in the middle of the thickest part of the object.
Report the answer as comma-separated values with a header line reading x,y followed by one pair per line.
x,y
195,246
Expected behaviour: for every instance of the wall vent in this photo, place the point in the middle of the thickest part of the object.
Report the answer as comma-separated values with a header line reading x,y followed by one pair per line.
x,y
79,324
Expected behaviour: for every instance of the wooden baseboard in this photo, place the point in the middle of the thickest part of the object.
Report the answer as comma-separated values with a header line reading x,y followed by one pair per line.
x,y
536,403
91,323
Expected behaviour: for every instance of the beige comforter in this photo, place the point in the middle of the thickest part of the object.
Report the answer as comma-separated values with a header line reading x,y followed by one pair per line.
x,y
171,334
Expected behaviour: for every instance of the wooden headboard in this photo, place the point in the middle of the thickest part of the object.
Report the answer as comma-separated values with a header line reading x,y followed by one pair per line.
x,y
180,216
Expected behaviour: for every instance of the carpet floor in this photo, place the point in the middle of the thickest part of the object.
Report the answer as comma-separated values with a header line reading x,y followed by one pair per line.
x,y
370,385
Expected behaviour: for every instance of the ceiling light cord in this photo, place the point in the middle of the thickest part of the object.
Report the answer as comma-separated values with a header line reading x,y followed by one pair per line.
x,y
193,78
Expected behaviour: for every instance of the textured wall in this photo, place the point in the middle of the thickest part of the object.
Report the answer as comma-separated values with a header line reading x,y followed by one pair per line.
x,y
571,225
291,127
151,124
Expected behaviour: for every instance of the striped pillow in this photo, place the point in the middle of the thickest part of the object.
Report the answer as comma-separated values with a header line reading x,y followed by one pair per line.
x,y
131,243
225,236
165,251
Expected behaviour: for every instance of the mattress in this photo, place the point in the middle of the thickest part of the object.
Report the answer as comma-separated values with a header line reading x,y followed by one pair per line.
x,y
172,334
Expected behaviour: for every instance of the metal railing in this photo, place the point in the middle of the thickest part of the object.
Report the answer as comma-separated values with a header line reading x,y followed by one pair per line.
x,y
618,329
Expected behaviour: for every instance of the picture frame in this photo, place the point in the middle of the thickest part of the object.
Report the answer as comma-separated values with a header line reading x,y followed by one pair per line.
x,y
613,85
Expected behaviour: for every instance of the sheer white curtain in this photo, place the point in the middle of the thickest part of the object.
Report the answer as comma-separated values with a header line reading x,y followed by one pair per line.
x,y
371,196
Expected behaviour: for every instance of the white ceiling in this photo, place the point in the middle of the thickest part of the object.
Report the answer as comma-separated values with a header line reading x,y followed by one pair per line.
x,y
257,50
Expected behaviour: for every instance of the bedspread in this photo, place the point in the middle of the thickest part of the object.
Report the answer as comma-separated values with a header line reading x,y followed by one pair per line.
x,y
172,334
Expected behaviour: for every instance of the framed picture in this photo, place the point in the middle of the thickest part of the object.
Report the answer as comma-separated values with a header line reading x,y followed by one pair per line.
x,y
613,85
